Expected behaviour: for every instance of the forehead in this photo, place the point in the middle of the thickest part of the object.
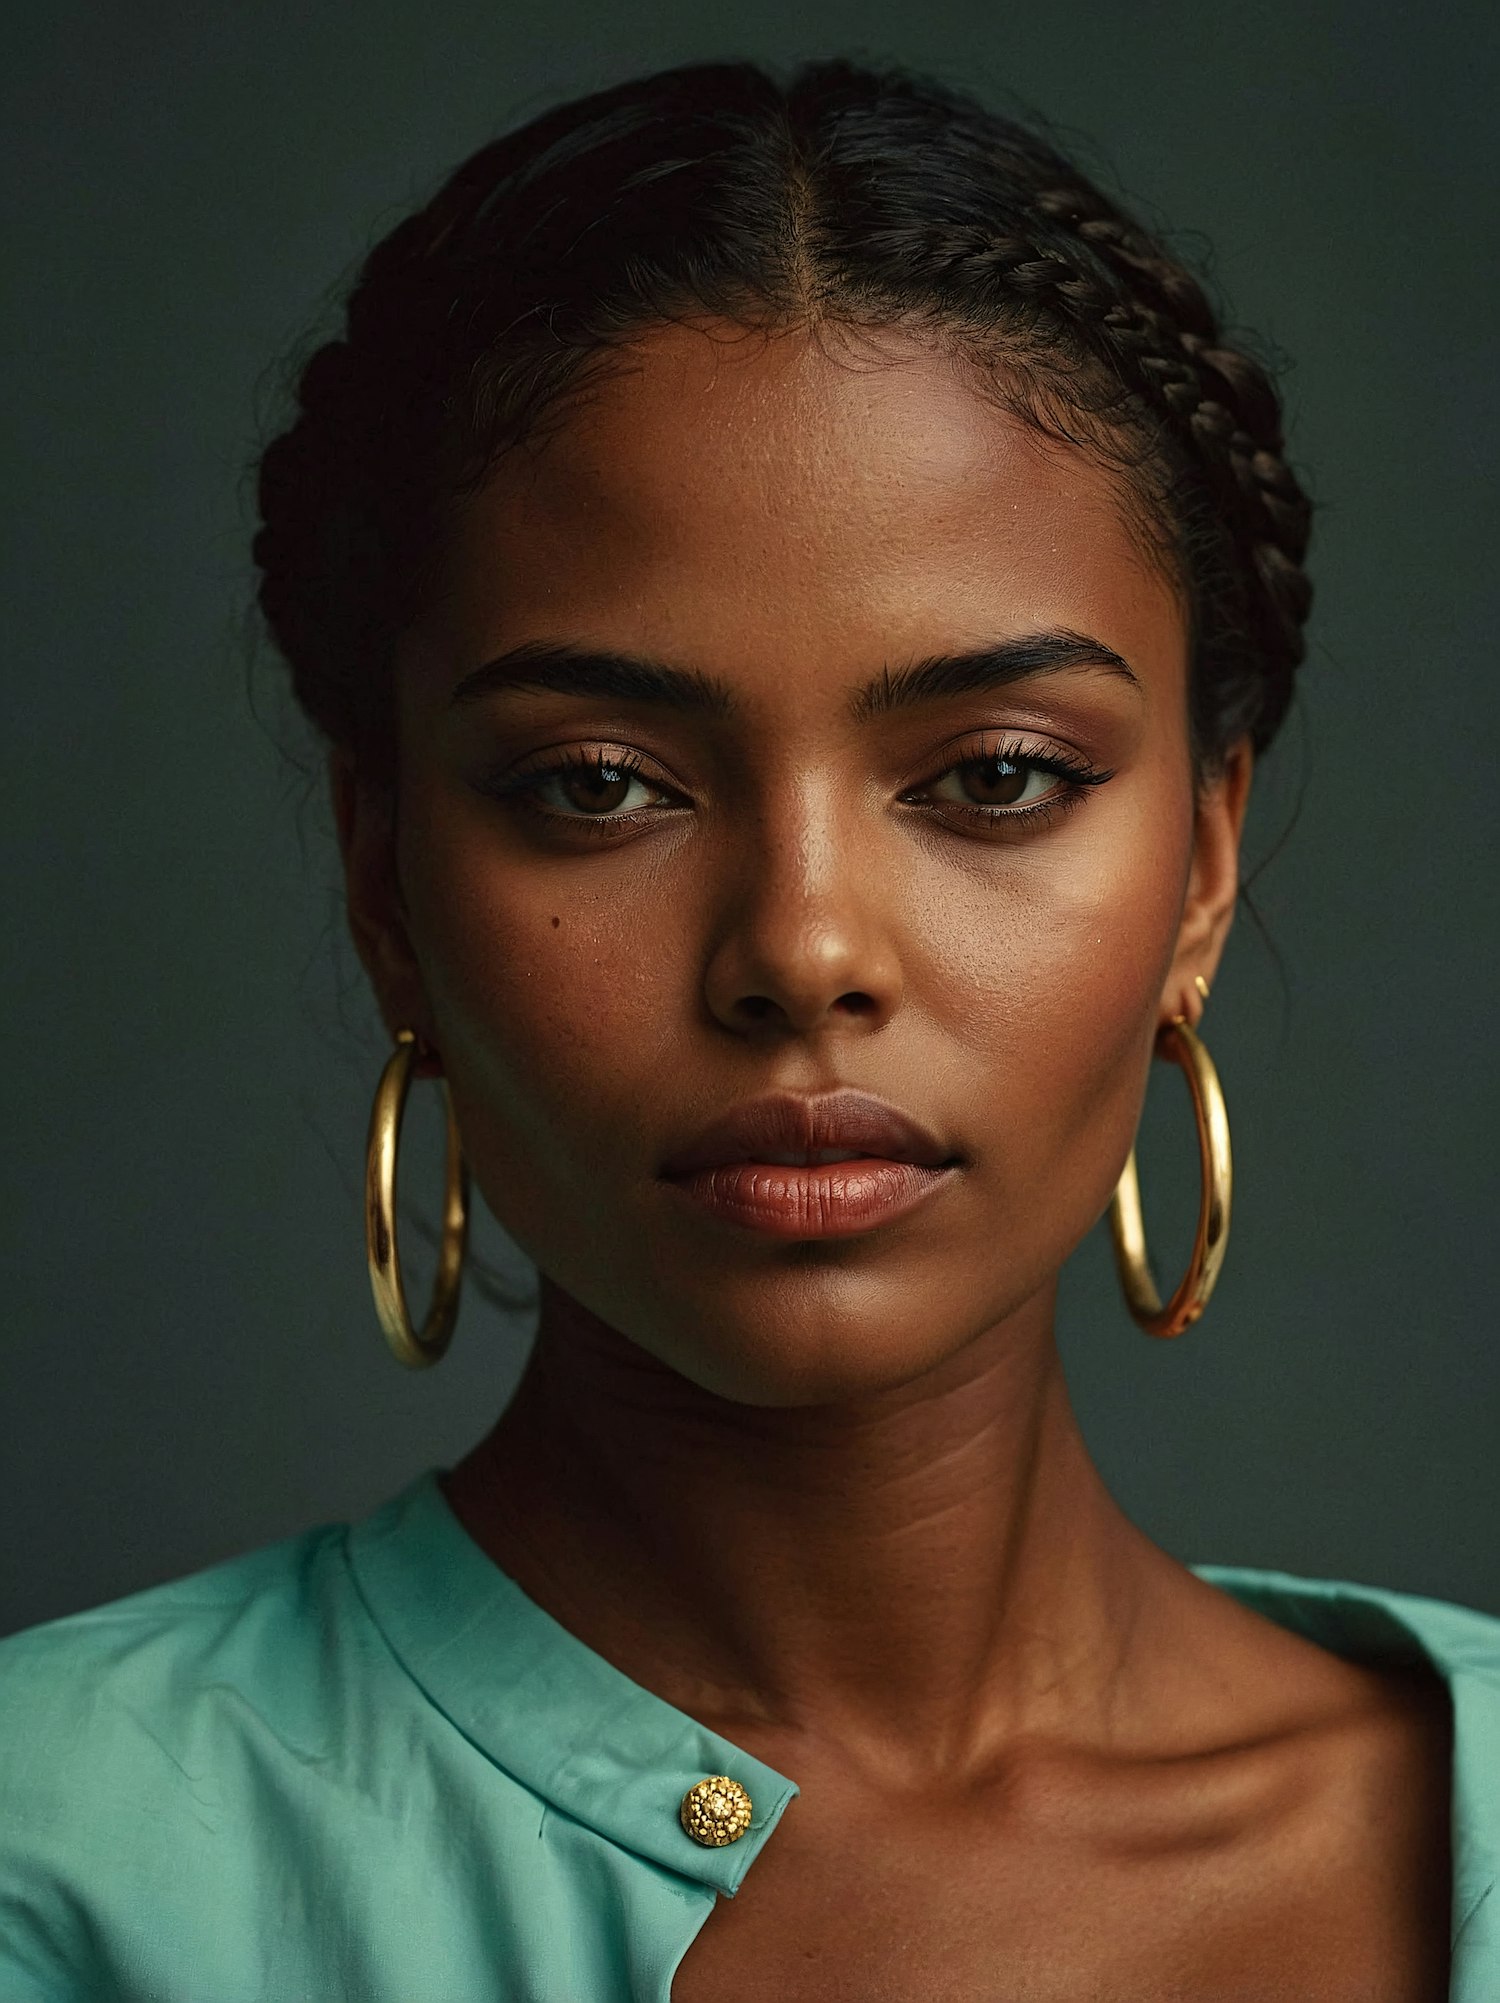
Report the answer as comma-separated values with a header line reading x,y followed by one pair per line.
x,y
720,492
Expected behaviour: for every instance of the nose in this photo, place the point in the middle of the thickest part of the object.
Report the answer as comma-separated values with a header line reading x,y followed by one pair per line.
x,y
805,936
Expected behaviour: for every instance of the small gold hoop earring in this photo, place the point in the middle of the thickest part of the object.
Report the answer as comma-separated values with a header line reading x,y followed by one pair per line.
x,y
415,1349
1179,1042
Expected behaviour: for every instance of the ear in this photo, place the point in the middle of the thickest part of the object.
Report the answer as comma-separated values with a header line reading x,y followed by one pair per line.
x,y
364,815
1213,884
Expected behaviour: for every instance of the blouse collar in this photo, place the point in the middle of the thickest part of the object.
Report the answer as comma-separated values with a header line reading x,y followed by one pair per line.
x,y
542,1704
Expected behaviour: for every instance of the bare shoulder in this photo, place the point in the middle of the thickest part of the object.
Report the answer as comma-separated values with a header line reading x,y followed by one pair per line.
x,y
1322,1727
1346,1779
1262,1675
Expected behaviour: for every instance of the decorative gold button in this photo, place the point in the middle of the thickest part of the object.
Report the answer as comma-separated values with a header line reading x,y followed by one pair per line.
x,y
715,1811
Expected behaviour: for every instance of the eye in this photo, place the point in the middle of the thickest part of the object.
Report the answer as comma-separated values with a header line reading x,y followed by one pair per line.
x,y
588,789
998,781
1007,784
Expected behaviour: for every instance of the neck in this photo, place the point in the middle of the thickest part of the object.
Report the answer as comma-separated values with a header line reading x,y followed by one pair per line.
x,y
919,1576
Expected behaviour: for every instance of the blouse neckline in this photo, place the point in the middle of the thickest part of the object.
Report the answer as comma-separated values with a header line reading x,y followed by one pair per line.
x,y
600,1748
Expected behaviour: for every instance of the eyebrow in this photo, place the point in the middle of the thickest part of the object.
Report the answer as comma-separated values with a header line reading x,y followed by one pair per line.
x,y
594,671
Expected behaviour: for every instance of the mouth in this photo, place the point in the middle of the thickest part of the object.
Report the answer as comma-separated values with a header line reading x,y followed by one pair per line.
x,y
821,1165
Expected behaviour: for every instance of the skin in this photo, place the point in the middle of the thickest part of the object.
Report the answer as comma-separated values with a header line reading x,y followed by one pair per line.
x,y
829,1496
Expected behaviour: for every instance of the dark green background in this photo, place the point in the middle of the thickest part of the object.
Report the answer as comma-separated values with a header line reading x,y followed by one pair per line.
x,y
191,1359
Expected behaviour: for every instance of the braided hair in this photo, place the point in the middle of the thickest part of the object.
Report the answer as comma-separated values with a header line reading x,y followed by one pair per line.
x,y
867,197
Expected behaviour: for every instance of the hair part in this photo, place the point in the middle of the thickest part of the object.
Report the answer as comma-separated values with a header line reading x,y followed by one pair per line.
x,y
865,198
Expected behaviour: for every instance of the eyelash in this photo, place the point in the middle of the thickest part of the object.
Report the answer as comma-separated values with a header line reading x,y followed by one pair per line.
x,y
1077,773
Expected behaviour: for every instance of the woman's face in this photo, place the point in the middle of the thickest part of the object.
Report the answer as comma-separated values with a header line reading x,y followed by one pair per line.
x,y
795,888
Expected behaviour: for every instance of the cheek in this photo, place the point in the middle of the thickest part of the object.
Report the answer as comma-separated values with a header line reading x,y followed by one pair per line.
x,y
553,1012
1053,982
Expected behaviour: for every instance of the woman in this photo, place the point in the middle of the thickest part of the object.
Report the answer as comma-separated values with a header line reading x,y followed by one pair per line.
x,y
794,584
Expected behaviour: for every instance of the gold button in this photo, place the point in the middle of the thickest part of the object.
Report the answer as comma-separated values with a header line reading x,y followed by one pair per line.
x,y
715,1811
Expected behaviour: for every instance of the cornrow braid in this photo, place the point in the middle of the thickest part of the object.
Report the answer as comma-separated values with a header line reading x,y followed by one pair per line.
x,y
867,195
1226,396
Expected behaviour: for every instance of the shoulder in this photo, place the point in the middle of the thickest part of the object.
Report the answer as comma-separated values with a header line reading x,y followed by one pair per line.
x,y
1358,1619
265,1638
129,1732
1386,1626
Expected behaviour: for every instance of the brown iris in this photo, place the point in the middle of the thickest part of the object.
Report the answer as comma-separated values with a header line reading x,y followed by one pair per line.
x,y
1000,783
596,788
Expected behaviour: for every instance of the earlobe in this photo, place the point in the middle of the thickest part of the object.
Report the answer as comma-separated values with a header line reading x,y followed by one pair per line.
x,y
363,846
1213,884
376,923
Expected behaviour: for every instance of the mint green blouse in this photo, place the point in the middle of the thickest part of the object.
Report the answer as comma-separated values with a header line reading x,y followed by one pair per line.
x,y
362,1765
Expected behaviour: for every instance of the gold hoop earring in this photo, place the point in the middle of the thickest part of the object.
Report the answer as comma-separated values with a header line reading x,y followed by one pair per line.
x,y
415,1349
1181,1043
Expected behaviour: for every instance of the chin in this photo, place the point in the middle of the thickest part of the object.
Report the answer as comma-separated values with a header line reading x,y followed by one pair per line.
x,y
787,1361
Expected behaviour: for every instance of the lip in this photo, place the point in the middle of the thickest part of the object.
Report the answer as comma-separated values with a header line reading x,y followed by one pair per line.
x,y
828,1200
796,1123
898,1162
